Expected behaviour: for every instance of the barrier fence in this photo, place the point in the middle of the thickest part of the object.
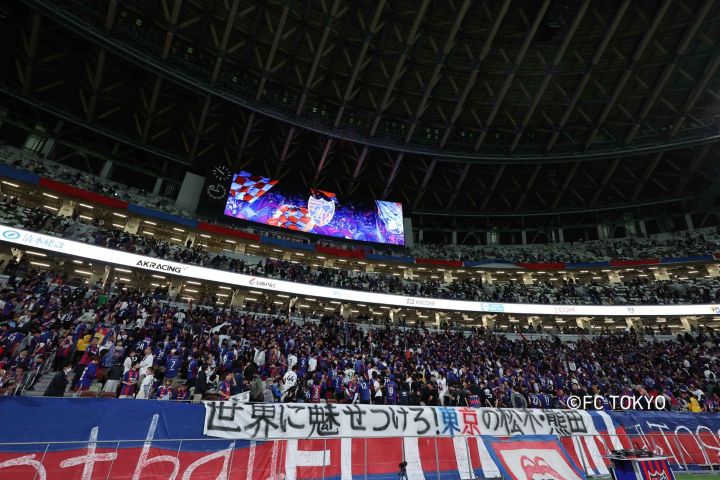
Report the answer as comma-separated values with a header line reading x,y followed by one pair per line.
x,y
90,439
345,458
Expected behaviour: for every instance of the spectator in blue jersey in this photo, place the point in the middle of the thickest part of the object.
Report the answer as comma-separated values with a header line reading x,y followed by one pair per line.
x,y
338,387
225,388
182,393
165,391
317,391
391,391
88,375
364,392
192,370
129,381
534,400
173,363
91,350
275,390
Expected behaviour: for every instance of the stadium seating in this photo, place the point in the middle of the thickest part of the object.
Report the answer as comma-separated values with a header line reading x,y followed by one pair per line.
x,y
338,358
636,292
45,319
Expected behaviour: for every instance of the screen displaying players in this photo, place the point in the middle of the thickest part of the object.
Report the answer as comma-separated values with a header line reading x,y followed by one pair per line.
x,y
256,198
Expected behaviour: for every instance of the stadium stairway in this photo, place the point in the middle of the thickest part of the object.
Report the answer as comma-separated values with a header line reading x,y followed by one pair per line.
x,y
38,390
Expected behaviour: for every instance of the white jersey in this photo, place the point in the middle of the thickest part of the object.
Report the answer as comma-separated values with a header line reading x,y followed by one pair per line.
x,y
289,380
442,386
291,361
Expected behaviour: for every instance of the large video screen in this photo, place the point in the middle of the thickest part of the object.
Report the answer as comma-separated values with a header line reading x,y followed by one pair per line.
x,y
256,198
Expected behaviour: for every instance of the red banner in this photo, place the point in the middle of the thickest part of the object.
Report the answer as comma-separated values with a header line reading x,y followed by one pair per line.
x,y
634,263
439,262
340,252
541,266
82,194
230,232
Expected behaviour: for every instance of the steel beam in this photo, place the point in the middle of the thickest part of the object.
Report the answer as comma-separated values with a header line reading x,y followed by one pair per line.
x,y
458,186
399,69
530,183
244,140
322,162
606,178
565,185
273,49
646,175
157,84
610,103
360,62
437,71
687,174
426,179
494,184
487,156
319,53
472,79
670,68
513,70
549,72
219,58
31,53
694,96
599,52
393,174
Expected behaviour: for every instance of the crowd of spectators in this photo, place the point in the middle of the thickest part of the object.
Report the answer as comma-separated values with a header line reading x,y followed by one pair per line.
x,y
133,344
666,245
669,245
638,291
45,167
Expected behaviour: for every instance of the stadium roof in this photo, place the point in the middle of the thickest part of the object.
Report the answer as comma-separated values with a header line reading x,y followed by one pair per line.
x,y
461,109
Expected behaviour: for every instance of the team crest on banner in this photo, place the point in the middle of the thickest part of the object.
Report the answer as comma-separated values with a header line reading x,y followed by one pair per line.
x,y
321,207
533,458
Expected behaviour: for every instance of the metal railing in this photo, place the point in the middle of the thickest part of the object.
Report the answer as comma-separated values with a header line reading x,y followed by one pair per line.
x,y
31,377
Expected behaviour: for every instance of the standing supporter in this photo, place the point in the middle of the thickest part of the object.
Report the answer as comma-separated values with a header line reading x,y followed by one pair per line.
x,y
225,389
59,383
172,365
290,378
147,384
146,363
88,375
201,383
192,371
114,377
64,352
130,381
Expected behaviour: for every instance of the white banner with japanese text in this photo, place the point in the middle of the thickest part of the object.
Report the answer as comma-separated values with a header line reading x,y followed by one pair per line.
x,y
256,421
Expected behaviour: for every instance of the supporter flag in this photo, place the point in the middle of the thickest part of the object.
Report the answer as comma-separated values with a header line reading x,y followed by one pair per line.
x,y
247,187
292,218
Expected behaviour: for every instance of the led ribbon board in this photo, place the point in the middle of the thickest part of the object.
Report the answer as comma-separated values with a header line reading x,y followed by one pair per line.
x,y
33,240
